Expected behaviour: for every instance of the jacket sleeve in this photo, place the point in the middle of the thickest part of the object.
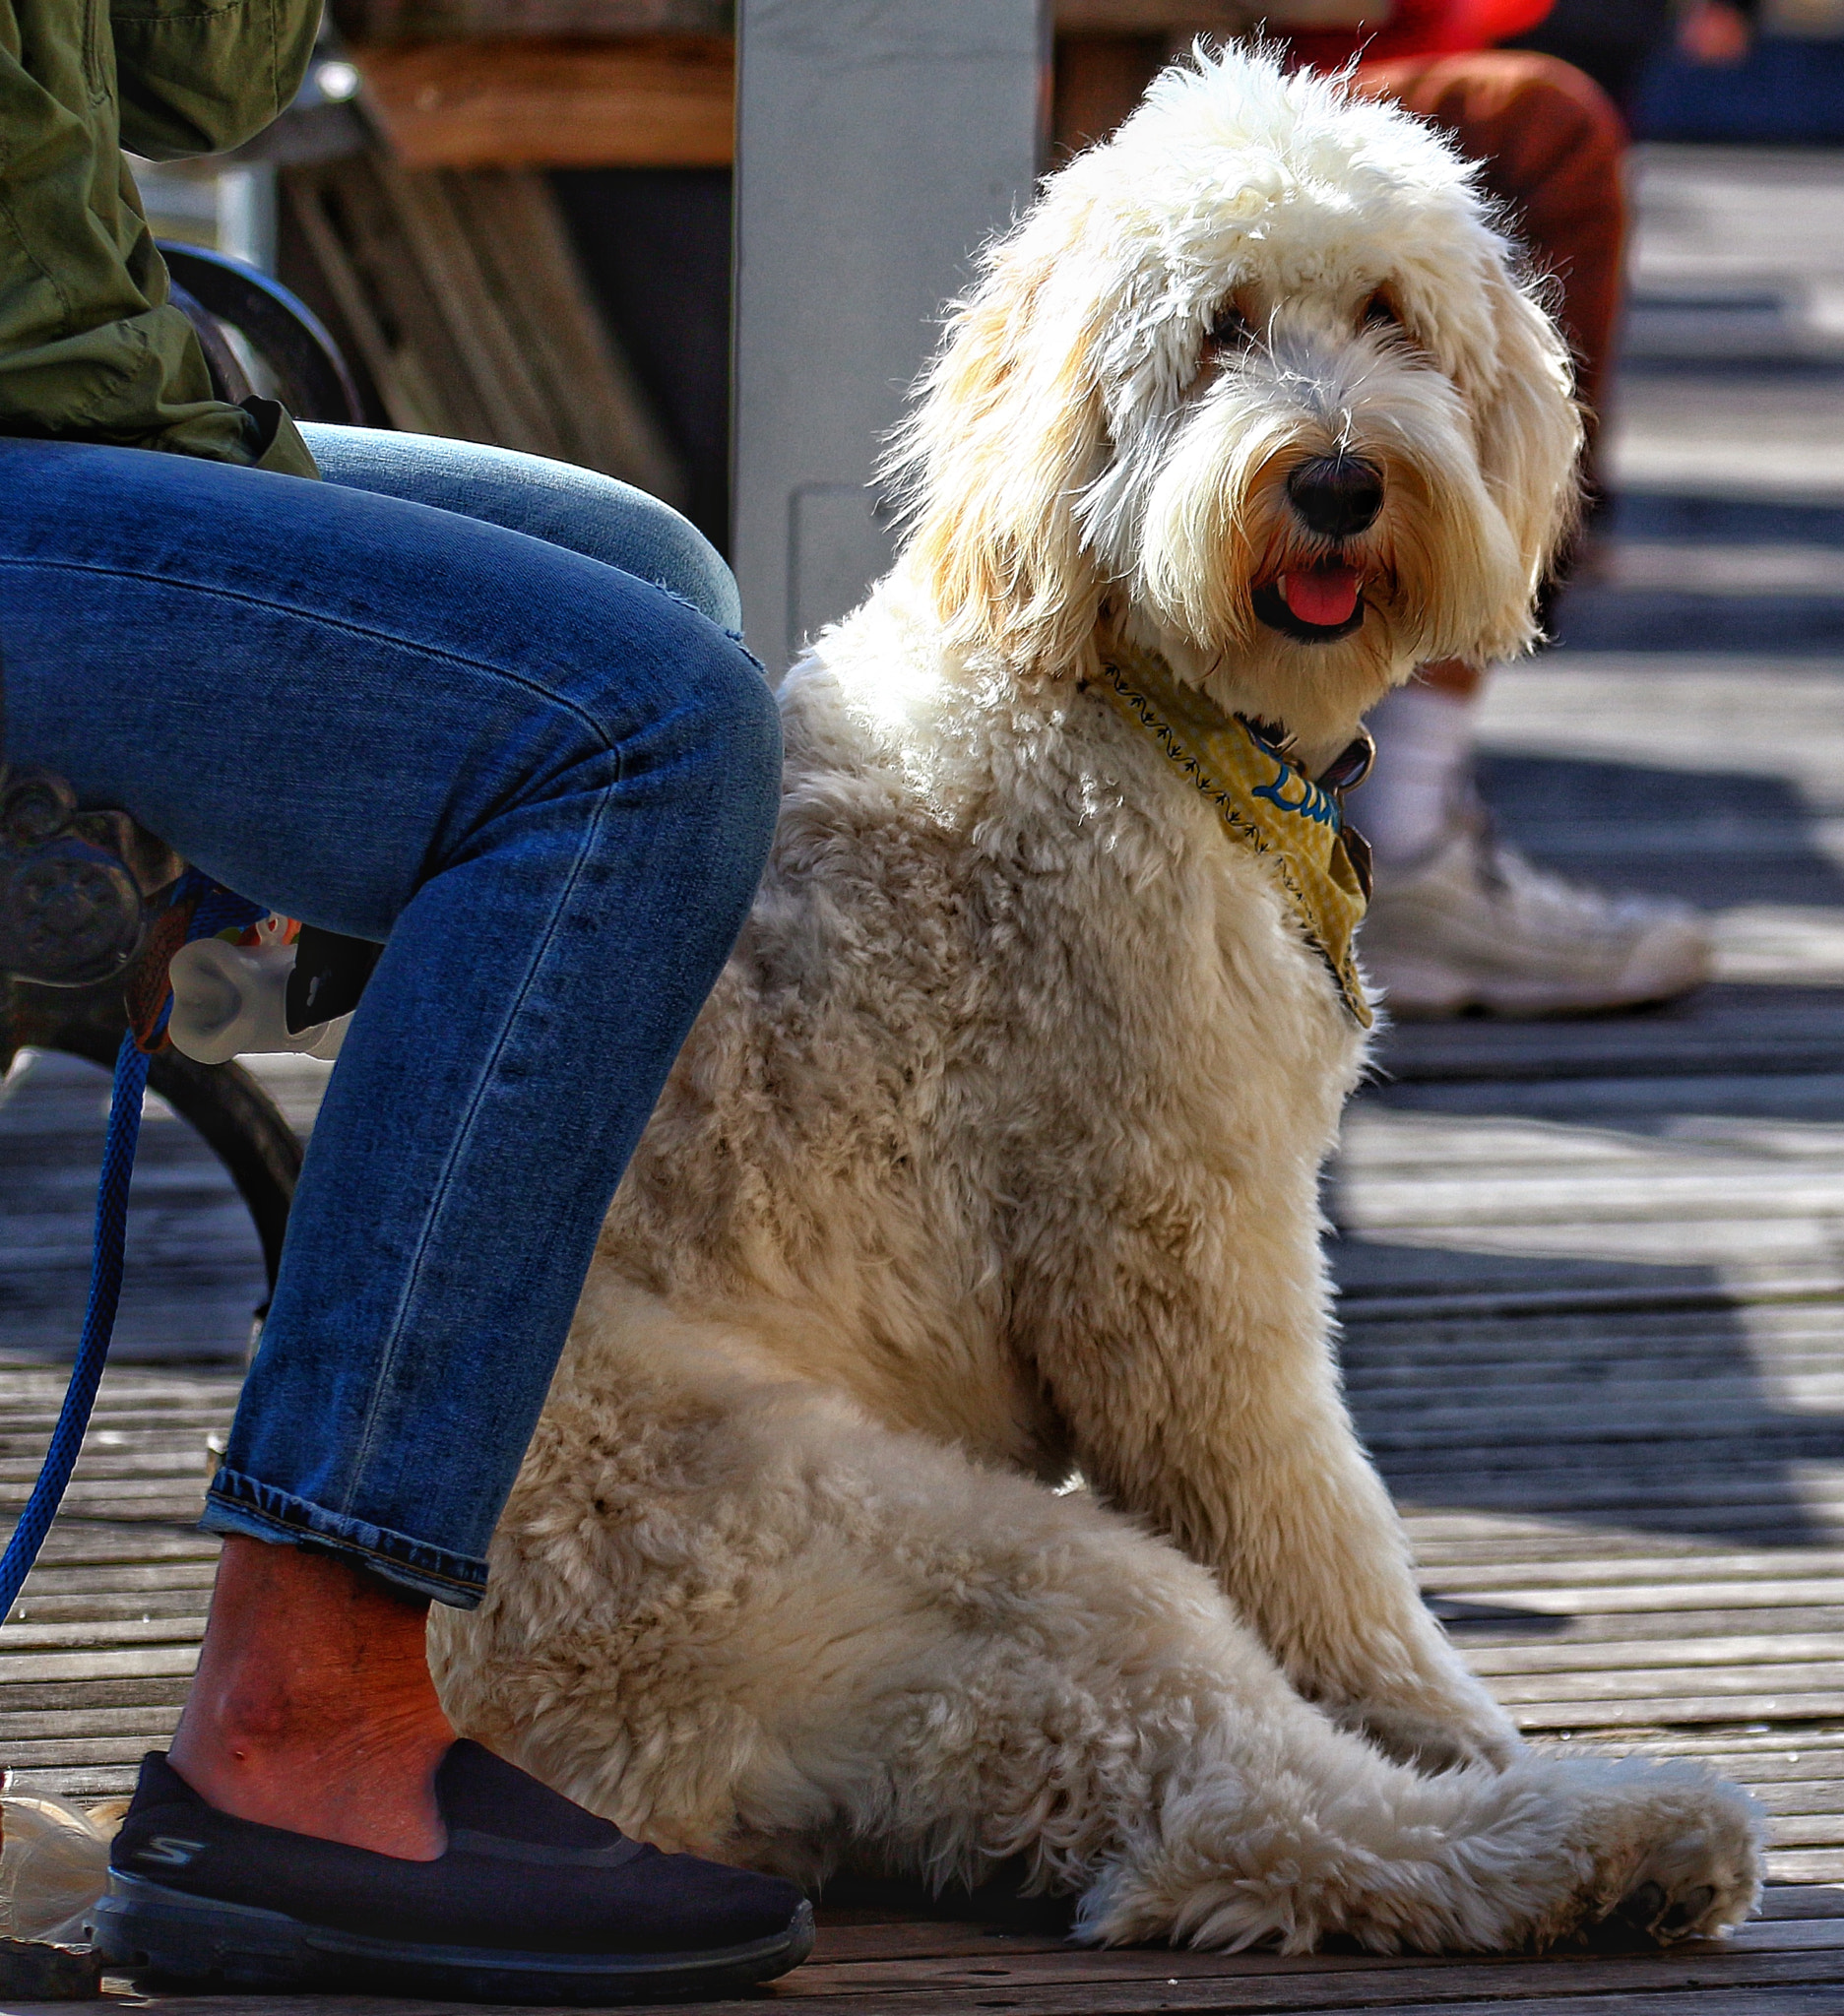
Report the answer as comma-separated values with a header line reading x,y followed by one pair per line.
x,y
198,76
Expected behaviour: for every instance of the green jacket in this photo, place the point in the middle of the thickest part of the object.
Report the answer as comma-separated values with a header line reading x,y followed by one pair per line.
x,y
91,347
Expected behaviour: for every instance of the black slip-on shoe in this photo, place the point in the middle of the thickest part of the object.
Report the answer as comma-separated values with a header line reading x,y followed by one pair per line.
x,y
534,1901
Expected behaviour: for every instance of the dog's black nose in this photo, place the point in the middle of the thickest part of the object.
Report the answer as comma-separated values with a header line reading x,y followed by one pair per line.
x,y
1336,495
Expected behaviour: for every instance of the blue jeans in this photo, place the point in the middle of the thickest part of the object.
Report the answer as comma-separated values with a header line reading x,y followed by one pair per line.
x,y
435,701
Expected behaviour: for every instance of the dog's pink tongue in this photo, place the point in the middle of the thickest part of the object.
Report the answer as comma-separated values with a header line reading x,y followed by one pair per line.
x,y
1323,594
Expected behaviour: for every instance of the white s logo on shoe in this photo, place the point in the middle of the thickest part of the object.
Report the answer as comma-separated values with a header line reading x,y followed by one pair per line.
x,y
168,1851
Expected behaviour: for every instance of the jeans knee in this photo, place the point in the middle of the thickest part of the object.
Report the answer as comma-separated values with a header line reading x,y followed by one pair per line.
x,y
708,740
738,730
688,565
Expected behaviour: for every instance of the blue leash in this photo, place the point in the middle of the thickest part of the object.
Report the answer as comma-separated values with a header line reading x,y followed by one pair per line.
x,y
218,909
106,1287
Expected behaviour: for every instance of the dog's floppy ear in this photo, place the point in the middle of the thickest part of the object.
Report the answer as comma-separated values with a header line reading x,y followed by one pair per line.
x,y
1007,431
1529,432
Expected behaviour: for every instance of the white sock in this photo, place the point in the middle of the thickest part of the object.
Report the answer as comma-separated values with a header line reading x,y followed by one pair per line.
x,y
1424,762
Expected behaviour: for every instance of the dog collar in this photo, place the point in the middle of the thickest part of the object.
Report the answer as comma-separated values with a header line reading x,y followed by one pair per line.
x,y
1265,803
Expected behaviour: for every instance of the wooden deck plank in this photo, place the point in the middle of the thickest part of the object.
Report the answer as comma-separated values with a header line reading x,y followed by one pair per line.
x,y
1077,1983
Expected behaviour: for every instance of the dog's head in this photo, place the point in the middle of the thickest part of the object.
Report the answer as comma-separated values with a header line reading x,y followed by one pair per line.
x,y
1259,380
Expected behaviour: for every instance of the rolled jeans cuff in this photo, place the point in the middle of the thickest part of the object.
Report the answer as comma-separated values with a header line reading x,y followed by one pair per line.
x,y
236,1503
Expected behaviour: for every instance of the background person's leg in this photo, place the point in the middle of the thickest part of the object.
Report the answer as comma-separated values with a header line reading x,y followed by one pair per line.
x,y
551,785
1553,147
1459,920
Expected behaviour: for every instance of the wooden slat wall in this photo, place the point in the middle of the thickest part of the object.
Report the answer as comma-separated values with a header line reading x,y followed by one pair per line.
x,y
463,299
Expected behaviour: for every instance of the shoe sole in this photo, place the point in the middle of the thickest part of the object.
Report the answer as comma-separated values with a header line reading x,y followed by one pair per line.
x,y
1534,1004
1665,966
145,1928
1433,993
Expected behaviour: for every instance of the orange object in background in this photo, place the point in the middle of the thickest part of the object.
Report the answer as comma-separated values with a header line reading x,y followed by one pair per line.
x,y
1551,143
1550,140
1494,20
1415,28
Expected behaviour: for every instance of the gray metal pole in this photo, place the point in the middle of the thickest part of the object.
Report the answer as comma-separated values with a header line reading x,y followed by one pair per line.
x,y
879,142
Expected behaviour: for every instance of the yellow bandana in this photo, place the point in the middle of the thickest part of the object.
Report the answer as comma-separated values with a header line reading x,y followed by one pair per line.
x,y
1264,801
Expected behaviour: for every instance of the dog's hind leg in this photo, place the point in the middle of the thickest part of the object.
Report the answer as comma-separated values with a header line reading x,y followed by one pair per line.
x,y
735,1614
1273,1829
738,1616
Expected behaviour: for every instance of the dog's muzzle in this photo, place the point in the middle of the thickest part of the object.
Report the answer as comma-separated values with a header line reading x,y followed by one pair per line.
x,y
1335,497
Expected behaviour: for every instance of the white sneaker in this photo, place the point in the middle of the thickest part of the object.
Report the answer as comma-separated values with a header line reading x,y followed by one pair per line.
x,y
1475,925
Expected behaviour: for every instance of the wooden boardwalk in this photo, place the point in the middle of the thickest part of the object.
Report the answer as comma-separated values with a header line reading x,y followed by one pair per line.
x,y
1592,1272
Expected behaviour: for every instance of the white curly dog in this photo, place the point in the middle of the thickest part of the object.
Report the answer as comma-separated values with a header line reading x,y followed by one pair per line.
x,y
992,1160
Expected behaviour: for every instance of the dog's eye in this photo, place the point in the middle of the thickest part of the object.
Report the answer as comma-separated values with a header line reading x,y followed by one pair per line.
x,y
1231,331
1379,312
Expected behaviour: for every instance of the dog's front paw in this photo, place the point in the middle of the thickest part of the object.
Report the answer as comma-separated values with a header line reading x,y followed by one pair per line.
x,y
1445,1719
1416,1699
1465,1731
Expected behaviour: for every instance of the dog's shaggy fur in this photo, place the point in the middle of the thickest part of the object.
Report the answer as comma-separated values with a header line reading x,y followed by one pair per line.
x,y
993,1157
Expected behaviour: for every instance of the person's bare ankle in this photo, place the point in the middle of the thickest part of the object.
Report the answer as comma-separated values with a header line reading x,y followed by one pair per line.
x,y
313,1709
